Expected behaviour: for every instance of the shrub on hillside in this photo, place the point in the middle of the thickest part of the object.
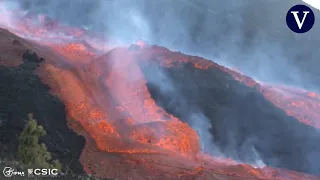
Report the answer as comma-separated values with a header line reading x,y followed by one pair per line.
x,y
30,152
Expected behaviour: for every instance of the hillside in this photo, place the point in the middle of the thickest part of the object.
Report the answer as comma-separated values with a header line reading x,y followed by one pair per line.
x,y
22,92
136,123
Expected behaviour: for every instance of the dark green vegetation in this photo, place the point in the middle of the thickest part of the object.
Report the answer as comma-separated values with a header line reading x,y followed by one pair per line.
x,y
30,152
242,121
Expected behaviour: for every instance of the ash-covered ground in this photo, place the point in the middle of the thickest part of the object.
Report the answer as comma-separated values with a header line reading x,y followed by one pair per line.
x,y
244,125
21,93
250,35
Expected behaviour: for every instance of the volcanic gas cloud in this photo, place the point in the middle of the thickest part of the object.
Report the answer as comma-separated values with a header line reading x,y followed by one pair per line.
x,y
108,100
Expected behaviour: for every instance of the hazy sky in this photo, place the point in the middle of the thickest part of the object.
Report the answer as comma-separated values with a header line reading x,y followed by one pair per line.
x,y
251,35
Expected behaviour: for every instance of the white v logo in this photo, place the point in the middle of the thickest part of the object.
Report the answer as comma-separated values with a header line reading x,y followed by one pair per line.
x,y
295,14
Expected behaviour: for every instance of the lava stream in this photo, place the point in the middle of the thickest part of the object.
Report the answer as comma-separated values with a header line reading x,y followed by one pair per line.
x,y
108,102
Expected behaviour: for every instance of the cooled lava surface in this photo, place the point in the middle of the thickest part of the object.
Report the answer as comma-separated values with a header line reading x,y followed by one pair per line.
x,y
139,108
243,122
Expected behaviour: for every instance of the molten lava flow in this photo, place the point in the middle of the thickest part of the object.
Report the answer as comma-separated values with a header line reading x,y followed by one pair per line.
x,y
110,100
79,52
298,103
108,103
126,87
145,125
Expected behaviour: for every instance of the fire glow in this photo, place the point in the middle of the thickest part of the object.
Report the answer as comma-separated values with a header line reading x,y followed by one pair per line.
x,y
108,102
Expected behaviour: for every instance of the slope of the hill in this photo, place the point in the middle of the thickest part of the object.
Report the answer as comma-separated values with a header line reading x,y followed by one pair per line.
x,y
128,136
243,122
22,92
118,75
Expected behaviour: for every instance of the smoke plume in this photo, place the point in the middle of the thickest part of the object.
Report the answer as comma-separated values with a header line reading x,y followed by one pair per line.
x,y
249,34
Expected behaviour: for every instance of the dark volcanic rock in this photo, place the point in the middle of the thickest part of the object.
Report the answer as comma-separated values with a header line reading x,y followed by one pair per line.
x,y
22,92
243,122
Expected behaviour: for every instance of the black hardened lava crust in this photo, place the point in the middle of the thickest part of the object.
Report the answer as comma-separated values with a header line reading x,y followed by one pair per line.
x,y
243,121
22,92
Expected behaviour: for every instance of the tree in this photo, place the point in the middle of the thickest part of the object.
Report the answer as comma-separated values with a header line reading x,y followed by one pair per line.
x,y
30,152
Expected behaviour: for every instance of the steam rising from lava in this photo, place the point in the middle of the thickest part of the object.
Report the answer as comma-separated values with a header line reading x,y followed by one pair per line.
x,y
197,120
228,37
247,34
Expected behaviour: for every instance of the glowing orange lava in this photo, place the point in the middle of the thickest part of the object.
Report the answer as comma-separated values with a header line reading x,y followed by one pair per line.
x,y
127,134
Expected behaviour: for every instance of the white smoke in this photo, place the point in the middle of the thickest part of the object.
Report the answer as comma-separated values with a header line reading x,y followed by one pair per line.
x,y
7,13
234,33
